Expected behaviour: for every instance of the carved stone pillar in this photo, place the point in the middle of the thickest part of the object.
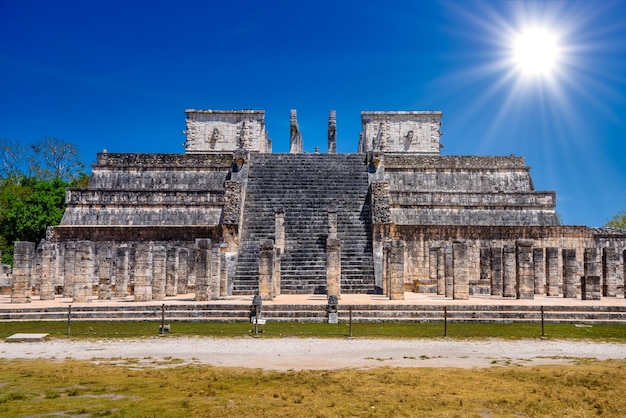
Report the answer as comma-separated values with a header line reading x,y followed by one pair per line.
x,y
266,269
333,266
23,259
83,272
122,271
183,271
592,262
214,274
432,266
295,137
552,271
68,269
485,266
449,270
610,261
332,132
104,273
48,258
386,270
158,272
539,265
143,273
590,288
441,272
570,269
496,271
508,271
460,288
525,276
396,264
171,271
203,266
279,228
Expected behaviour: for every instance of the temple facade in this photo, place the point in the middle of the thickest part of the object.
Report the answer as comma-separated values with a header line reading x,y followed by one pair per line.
x,y
230,217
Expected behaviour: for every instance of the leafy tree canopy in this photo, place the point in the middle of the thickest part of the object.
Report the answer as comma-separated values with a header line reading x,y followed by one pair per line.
x,y
33,179
618,221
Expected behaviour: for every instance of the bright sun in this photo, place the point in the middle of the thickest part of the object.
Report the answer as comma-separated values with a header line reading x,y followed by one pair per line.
x,y
536,51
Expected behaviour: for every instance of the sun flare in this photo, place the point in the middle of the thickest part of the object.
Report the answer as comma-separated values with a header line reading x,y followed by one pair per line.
x,y
536,52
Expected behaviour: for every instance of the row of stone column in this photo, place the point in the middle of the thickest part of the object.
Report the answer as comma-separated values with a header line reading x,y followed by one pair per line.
x,y
522,271
158,271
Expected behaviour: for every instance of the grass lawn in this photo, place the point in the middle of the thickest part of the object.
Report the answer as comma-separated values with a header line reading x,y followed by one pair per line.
x,y
80,388
114,329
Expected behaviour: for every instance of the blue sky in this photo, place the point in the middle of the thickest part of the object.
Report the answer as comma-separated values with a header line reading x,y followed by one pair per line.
x,y
119,74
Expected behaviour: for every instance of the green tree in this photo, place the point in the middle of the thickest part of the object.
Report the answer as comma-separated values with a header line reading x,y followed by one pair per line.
x,y
27,207
618,221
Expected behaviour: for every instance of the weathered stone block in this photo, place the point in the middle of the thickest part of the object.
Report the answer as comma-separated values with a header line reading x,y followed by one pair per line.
x,y
461,276
143,273
525,276
83,272
509,271
590,288
570,270
552,271
23,259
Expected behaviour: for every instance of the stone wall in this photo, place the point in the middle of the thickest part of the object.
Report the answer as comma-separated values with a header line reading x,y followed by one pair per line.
x,y
412,132
226,130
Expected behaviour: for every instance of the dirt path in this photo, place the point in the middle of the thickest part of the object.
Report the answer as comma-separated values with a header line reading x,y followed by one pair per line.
x,y
311,354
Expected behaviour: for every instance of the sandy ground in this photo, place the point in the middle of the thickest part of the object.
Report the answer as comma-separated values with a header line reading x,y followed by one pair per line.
x,y
316,354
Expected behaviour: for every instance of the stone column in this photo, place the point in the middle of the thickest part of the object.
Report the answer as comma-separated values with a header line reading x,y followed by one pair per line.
x,y
83,272
485,266
333,266
332,132
48,255
592,262
386,270
276,277
590,287
552,271
68,268
539,265
214,273
570,269
396,265
525,276
432,266
143,273
441,272
122,271
171,271
203,266
266,269
158,272
23,259
295,136
449,270
508,271
460,289
496,271
610,261
279,228
183,271
104,273
35,281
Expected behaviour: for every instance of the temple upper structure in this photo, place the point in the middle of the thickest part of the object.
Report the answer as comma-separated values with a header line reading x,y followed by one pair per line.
x,y
226,130
406,132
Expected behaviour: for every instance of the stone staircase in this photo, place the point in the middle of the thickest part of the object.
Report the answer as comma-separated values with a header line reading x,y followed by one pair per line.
x,y
306,186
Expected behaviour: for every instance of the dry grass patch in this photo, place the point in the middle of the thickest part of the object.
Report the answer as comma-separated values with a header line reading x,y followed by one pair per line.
x,y
589,388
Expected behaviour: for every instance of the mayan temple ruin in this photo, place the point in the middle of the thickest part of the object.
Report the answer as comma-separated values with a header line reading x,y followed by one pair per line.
x,y
230,217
